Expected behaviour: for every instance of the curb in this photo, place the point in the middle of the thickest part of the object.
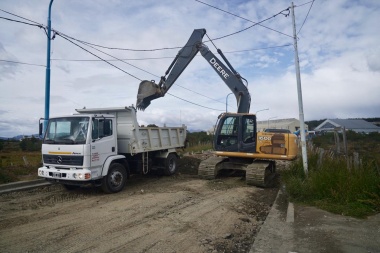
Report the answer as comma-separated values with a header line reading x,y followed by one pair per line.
x,y
23,185
276,233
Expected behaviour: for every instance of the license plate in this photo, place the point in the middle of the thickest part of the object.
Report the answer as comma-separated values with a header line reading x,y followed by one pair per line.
x,y
57,174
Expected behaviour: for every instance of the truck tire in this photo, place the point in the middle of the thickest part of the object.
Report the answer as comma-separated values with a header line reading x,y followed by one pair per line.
x,y
115,180
170,165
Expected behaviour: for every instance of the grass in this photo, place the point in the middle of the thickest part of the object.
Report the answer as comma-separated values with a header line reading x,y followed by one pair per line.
x,y
18,165
335,188
198,148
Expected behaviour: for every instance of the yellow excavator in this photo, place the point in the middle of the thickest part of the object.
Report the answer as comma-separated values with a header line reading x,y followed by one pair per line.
x,y
237,144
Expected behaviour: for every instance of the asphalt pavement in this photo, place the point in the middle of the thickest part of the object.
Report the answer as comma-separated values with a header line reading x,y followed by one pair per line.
x,y
291,228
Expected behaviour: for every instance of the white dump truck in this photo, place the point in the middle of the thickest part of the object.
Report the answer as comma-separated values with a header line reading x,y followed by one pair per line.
x,y
104,146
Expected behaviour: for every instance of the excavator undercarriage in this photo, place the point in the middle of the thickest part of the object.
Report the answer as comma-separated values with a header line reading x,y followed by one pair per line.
x,y
257,172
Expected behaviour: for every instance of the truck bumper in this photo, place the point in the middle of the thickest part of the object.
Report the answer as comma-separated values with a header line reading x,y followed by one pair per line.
x,y
81,175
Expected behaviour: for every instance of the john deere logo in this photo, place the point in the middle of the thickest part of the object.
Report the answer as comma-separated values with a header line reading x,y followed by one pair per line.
x,y
59,159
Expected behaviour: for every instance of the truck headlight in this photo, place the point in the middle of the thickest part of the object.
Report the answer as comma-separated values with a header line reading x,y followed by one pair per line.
x,y
40,172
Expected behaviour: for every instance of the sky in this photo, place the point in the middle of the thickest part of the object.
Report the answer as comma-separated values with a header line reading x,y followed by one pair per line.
x,y
338,48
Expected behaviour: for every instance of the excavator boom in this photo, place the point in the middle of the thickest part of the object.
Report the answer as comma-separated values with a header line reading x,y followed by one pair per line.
x,y
149,90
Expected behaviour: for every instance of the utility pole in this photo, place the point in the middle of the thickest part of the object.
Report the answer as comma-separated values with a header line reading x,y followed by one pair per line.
x,y
300,103
47,78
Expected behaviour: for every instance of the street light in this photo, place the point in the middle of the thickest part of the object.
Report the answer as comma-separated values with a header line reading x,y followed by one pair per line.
x,y
227,100
262,110
47,76
269,119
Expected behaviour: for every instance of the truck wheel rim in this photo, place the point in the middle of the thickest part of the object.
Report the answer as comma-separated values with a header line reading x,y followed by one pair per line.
x,y
116,178
171,165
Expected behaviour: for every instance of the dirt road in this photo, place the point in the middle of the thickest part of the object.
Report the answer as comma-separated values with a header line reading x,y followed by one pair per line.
x,y
152,214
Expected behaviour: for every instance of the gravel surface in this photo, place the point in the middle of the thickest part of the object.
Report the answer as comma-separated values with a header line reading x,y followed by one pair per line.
x,y
152,214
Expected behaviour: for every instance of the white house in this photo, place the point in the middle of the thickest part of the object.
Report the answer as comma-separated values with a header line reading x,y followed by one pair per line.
x,y
356,125
291,124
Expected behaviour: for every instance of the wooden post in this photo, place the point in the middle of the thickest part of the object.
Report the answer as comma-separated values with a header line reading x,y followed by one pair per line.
x,y
320,157
356,160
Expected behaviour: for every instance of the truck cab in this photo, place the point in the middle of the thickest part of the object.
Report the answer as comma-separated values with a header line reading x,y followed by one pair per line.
x,y
76,147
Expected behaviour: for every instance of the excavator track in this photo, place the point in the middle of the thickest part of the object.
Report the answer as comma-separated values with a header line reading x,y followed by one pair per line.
x,y
208,169
261,173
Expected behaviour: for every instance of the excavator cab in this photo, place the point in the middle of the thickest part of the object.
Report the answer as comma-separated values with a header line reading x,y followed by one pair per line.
x,y
236,132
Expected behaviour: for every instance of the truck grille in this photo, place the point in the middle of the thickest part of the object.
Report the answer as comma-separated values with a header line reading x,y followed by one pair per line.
x,y
63,160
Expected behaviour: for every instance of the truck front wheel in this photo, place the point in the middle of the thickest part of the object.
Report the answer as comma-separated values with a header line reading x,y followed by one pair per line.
x,y
115,179
170,165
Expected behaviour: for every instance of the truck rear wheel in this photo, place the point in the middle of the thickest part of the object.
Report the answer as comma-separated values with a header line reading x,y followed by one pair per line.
x,y
170,165
115,179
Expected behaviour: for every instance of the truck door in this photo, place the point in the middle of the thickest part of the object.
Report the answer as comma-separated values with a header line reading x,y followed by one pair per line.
x,y
104,142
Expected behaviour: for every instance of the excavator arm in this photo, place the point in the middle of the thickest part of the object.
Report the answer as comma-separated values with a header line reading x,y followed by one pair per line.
x,y
149,90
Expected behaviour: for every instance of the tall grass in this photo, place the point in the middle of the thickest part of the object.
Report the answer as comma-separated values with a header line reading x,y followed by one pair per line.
x,y
334,187
18,165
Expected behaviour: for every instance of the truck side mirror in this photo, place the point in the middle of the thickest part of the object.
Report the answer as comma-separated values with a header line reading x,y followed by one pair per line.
x,y
40,126
40,129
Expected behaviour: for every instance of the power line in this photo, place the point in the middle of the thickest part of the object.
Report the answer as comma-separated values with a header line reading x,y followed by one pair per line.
x,y
68,38
179,47
126,59
258,23
193,102
299,5
312,2
98,56
113,57
256,49
167,57
21,17
23,63
244,18
22,22
140,69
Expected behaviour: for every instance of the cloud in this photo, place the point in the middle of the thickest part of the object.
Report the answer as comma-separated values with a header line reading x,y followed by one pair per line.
x,y
338,52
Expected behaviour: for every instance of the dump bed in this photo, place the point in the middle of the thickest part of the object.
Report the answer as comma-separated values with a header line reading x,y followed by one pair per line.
x,y
133,139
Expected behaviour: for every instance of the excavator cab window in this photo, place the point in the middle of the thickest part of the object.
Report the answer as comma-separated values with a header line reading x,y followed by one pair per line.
x,y
249,129
227,138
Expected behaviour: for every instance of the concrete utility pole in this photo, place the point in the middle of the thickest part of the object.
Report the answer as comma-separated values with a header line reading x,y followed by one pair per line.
x,y
300,103
47,78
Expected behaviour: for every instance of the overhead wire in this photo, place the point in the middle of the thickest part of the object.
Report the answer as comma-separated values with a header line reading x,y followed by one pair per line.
x,y
312,2
17,62
112,56
194,103
69,38
10,13
168,57
62,36
179,47
22,22
299,5
244,18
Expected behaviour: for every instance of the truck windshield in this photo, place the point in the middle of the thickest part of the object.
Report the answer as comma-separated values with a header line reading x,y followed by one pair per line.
x,y
67,130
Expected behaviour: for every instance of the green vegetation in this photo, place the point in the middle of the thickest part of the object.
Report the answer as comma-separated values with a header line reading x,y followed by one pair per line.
x,y
334,187
198,141
16,164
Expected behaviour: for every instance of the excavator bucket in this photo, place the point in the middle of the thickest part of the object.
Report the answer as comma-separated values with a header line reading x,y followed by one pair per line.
x,y
147,92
